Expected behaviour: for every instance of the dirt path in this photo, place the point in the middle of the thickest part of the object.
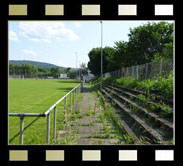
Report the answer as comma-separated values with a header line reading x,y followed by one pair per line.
x,y
87,124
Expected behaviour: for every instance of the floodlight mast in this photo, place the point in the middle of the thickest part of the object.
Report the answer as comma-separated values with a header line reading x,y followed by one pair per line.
x,y
101,48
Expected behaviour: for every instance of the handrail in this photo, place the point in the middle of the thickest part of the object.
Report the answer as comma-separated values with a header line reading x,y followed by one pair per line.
x,y
47,113
26,114
49,109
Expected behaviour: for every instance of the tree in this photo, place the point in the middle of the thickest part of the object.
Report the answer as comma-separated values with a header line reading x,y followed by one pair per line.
x,y
68,69
29,70
94,64
117,56
72,74
83,69
55,72
11,69
149,41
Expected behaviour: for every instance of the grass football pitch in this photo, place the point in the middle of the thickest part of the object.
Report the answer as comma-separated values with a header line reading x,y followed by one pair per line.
x,y
35,96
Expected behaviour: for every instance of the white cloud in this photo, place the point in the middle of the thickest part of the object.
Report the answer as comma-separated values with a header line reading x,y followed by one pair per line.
x,y
29,52
34,39
78,25
13,36
46,31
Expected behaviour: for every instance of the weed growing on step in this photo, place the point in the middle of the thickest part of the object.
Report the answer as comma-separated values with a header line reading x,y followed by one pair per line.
x,y
97,142
142,100
109,113
90,111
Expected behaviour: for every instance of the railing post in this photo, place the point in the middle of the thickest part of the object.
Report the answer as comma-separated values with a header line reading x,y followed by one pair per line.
x,y
54,123
21,129
65,109
81,86
73,100
48,129
70,102
76,93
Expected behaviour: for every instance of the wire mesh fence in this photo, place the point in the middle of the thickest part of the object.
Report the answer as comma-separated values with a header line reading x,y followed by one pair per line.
x,y
146,71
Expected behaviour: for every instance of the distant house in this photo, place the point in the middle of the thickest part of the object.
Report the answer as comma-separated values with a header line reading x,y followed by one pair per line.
x,y
49,77
63,76
89,76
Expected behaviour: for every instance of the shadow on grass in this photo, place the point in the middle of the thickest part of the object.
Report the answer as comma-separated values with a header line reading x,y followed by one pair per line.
x,y
16,135
66,81
65,89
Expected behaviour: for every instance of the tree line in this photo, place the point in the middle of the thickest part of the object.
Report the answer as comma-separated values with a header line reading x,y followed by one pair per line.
x,y
30,71
147,43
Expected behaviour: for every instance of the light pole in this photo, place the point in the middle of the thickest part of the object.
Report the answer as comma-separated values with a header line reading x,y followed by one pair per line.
x,y
76,65
101,48
79,71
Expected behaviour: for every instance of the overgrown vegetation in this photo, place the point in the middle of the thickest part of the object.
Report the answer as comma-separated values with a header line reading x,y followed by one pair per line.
x,y
109,114
161,86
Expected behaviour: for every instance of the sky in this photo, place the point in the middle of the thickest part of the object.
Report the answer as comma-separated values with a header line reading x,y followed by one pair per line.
x,y
64,43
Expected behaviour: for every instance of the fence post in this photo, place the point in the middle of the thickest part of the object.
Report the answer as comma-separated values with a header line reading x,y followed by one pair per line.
x,y
21,129
48,129
65,109
70,102
137,72
54,122
160,67
146,69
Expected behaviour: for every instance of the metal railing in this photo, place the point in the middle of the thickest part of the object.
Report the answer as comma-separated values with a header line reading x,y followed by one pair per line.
x,y
73,98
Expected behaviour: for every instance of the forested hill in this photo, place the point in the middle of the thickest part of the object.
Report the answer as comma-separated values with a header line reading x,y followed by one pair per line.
x,y
35,63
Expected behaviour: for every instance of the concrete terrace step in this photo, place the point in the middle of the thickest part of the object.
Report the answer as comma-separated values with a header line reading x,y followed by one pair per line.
x,y
168,125
135,91
86,141
124,124
98,135
136,97
152,133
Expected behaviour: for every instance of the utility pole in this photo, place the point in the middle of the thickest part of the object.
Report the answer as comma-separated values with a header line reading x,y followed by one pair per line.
x,y
101,48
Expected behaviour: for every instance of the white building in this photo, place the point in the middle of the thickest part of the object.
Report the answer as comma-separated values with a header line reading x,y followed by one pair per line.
x,y
89,76
63,76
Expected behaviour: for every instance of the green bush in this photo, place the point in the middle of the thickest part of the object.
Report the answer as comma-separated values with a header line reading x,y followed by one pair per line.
x,y
127,82
162,85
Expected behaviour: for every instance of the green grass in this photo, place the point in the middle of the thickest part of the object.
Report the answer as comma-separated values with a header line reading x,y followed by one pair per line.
x,y
35,96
